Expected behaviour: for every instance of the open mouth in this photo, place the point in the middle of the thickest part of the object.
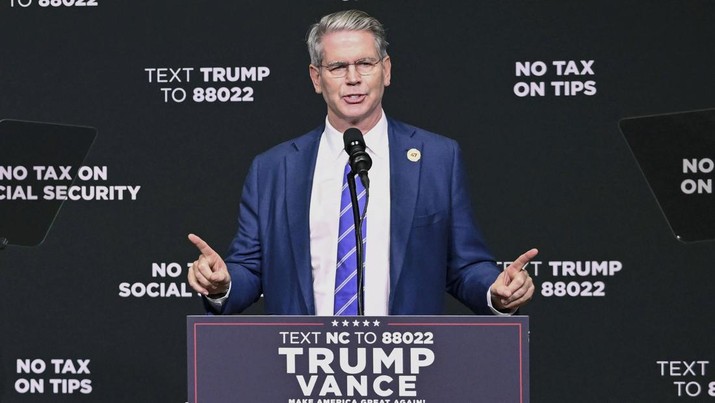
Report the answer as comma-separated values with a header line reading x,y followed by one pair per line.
x,y
354,98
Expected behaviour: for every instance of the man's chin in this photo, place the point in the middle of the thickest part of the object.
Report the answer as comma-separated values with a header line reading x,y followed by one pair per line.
x,y
356,116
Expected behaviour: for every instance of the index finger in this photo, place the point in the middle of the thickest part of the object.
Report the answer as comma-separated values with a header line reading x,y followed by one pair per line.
x,y
525,258
203,247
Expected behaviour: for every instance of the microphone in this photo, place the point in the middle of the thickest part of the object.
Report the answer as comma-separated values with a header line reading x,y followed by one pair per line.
x,y
360,161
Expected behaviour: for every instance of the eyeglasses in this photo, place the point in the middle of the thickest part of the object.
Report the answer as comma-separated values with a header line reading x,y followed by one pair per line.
x,y
364,67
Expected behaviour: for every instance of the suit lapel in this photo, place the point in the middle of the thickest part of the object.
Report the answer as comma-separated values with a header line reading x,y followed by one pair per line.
x,y
299,167
404,186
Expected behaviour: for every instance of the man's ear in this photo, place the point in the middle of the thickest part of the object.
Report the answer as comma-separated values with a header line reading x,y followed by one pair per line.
x,y
386,71
315,78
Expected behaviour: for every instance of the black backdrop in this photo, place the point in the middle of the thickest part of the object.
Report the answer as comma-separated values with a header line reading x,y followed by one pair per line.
x,y
551,171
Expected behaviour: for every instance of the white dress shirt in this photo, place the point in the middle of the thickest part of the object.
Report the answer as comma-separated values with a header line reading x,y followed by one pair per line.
x,y
325,216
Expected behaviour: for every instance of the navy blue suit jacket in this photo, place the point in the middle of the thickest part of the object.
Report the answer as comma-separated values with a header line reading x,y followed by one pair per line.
x,y
435,245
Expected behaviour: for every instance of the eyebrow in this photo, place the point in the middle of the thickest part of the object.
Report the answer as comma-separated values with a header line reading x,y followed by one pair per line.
x,y
363,59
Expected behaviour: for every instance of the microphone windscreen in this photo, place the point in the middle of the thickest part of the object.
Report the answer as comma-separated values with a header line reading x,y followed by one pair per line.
x,y
351,137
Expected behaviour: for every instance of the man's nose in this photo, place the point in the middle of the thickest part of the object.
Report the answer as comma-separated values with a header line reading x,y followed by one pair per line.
x,y
352,76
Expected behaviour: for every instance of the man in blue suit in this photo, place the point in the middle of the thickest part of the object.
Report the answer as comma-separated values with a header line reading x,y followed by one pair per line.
x,y
421,236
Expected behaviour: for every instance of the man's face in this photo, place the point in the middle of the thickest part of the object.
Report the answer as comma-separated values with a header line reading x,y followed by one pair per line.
x,y
354,100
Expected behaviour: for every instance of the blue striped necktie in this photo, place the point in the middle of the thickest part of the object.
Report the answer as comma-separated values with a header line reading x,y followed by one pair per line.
x,y
346,285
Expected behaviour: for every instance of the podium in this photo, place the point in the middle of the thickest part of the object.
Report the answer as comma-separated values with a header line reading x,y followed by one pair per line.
x,y
390,359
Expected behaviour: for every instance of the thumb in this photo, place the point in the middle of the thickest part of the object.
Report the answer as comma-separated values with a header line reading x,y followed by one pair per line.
x,y
219,277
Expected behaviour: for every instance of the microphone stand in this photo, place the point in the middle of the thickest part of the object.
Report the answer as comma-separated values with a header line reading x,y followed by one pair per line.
x,y
358,243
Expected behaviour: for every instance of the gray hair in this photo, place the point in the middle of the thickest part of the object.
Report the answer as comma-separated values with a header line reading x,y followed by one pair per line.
x,y
349,20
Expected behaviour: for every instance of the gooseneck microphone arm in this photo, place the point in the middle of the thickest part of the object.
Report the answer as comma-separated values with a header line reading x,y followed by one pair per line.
x,y
359,252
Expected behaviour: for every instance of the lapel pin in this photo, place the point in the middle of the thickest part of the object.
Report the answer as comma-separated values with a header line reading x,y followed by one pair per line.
x,y
414,154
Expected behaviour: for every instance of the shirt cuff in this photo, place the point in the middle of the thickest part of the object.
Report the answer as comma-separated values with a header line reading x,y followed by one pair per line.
x,y
217,303
494,310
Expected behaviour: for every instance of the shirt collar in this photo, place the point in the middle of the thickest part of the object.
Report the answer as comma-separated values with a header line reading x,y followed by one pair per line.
x,y
375,139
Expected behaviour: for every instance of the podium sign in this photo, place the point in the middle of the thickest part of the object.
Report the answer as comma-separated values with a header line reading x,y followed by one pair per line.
x,y
390,359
